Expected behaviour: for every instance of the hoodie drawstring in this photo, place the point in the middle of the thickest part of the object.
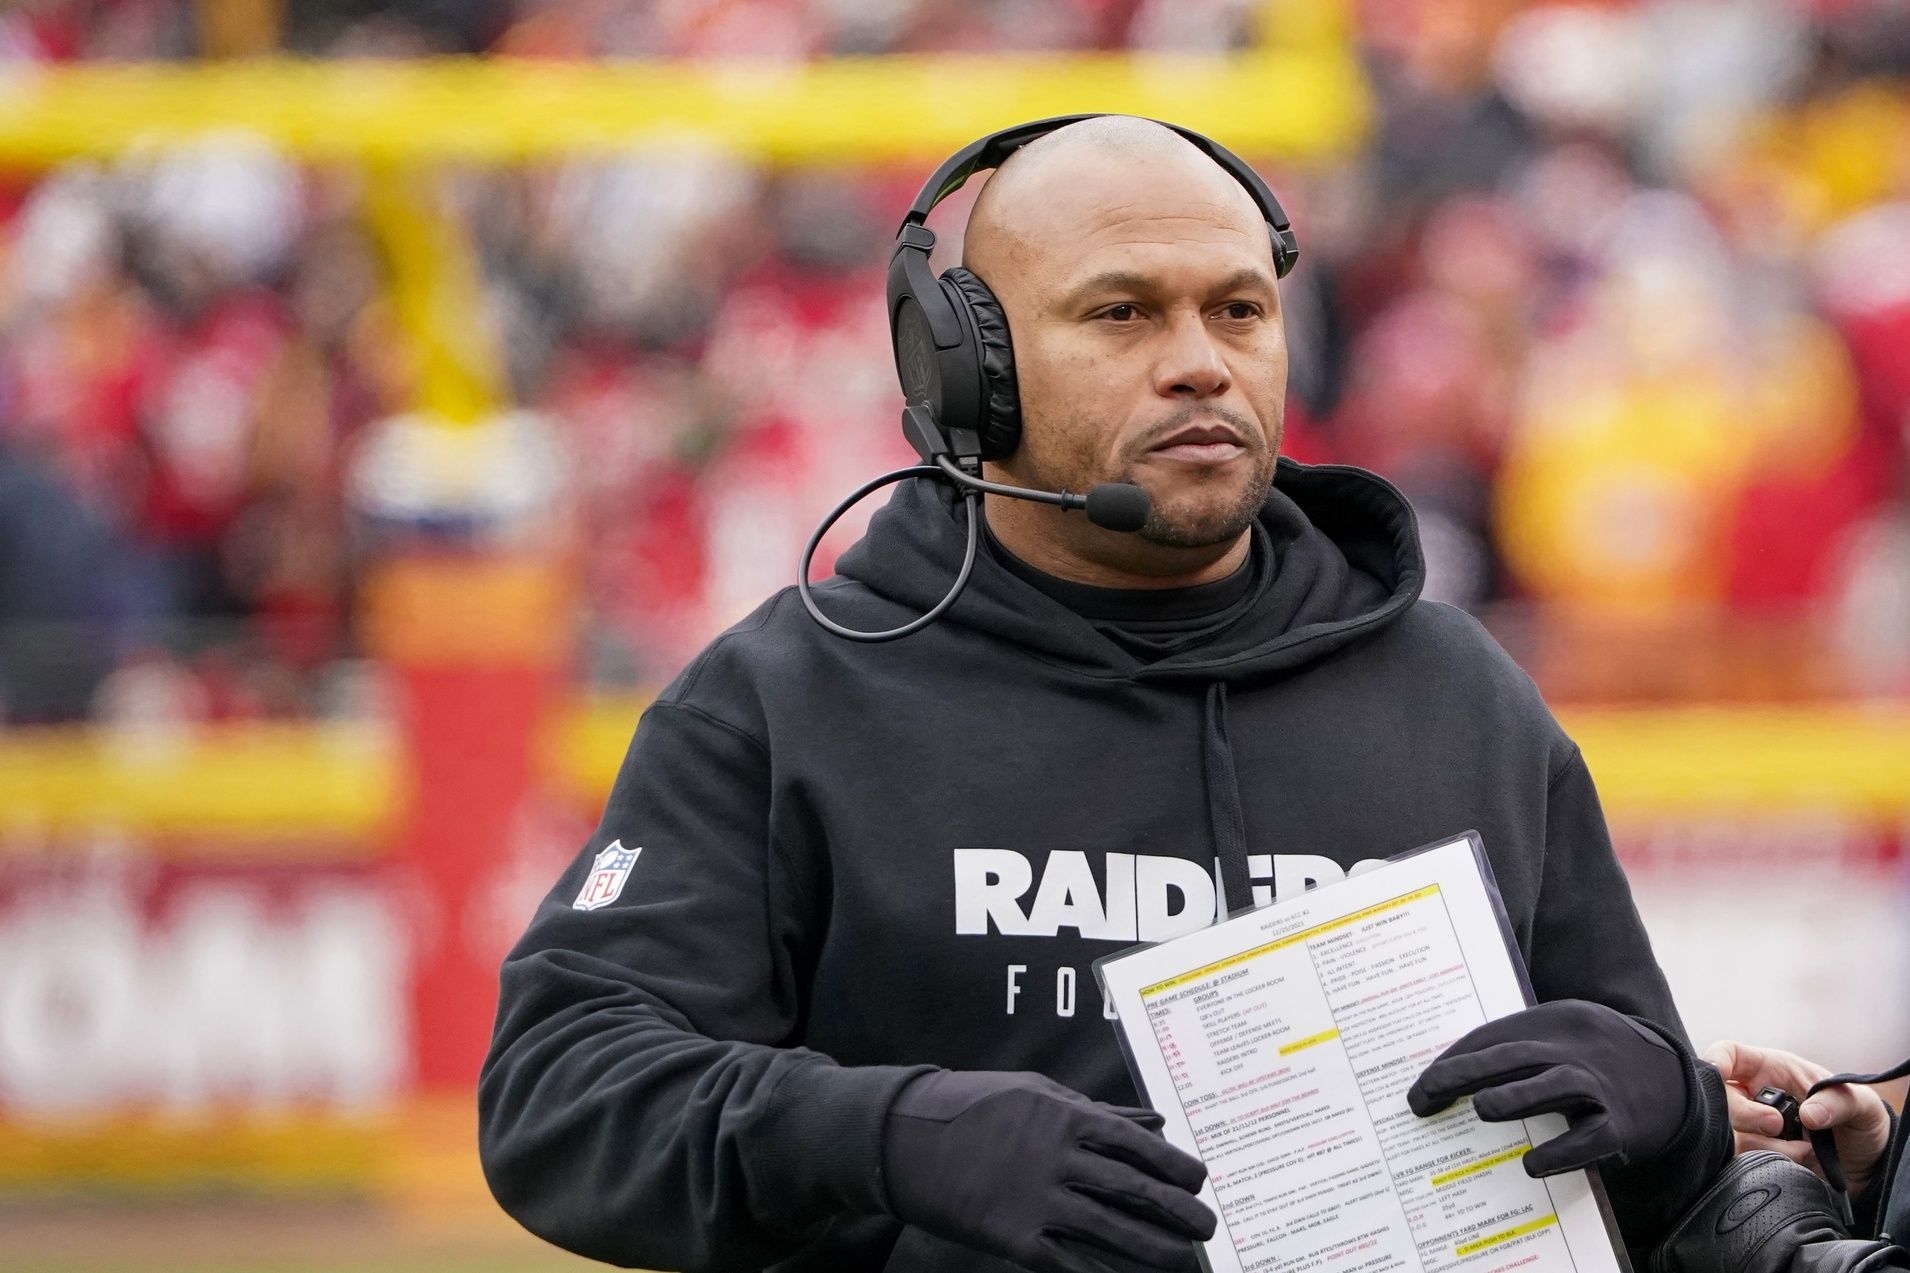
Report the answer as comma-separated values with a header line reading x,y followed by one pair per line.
x,y
1223,804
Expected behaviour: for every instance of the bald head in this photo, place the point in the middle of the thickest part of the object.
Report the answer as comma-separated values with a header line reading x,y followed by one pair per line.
x,y
1051,189
1137,280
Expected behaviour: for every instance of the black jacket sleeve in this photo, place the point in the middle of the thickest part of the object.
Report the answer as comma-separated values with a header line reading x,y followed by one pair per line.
x,y
1889,1187
1766,1214
643,1102
1588,943
1849,1255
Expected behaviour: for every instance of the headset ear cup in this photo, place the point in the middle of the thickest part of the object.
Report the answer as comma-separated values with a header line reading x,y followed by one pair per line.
x,y
1286,252
1000,426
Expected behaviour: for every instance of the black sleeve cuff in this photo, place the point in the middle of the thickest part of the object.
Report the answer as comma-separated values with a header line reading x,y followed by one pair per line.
x,y
1649,1196
820,1147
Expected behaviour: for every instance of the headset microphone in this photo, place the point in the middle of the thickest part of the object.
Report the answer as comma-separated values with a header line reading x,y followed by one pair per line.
x,y
1111,505
1117,506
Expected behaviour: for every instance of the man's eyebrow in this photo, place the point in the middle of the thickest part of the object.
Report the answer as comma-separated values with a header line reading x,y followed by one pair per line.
x,y
1106,281
1245,279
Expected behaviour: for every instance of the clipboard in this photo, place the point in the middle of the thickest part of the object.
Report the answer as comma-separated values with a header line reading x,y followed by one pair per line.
x,y
1278,1045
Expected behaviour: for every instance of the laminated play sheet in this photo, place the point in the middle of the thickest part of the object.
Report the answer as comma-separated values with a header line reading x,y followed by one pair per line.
x,y
1279,1045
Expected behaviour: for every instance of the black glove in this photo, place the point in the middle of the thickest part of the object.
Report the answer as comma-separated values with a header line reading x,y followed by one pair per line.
x,y
1759,1216
1618,1082
1018,1166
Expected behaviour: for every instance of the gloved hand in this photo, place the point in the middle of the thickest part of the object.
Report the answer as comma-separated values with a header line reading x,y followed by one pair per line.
x,y
1618,1082
1758,1217
1018,1166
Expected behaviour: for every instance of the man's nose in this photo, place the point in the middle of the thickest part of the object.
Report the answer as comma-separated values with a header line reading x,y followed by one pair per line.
x,y
1190,365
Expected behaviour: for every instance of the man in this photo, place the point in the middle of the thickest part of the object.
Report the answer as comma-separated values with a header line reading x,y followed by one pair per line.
x,y
817,995
1767,1212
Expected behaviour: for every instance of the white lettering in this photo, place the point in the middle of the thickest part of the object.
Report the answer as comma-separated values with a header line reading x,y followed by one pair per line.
x,y
351,1035
1295,873
1067,898
1120,897
1260,867
1014,984
72,1006
231,995
988,883
1064,991
1154,878
233,1012
1143,897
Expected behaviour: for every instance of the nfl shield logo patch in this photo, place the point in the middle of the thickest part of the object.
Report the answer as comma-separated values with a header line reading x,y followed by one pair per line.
x,y
607,876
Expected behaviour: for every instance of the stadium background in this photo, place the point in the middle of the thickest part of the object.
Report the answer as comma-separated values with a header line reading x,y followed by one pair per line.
x,y
393,395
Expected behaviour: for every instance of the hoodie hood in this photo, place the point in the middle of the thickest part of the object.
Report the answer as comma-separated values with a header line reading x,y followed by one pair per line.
x,y
1345,561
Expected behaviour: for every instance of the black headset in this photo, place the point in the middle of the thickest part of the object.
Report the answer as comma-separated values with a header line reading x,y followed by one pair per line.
x,y
958,368
952,348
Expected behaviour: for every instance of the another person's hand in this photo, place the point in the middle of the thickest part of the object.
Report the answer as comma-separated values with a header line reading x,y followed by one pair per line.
x,y
1858,1117
1620,1084
1794,1211
1019,1166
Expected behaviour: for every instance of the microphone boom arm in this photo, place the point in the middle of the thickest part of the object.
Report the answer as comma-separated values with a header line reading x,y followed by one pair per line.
x,y
963,478
1113,505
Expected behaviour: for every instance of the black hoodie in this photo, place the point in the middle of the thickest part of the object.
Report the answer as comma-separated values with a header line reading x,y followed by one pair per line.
x,y
854,861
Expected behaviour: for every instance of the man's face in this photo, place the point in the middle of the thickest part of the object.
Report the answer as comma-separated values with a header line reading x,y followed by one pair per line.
x,y
1148,341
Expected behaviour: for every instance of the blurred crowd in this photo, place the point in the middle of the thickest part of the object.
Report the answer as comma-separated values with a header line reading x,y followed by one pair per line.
x,y
1619,293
